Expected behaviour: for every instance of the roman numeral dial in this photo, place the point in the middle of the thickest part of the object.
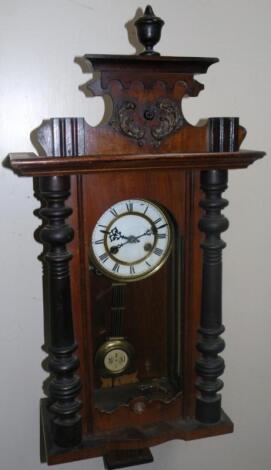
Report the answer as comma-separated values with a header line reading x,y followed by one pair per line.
x,y
131,240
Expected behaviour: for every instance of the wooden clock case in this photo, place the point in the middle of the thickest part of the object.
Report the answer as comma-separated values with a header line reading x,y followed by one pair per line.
x,y
147,150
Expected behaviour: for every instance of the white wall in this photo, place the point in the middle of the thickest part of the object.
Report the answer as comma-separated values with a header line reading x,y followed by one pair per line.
x,y
38,79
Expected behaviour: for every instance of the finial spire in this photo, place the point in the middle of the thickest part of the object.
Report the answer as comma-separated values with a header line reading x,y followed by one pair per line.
x,y
149,29
148,11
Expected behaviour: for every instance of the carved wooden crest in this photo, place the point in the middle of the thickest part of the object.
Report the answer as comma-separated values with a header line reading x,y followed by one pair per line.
x,y
151,124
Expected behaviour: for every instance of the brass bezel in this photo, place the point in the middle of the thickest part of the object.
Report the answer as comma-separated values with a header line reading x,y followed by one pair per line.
x,y
109,274
110,345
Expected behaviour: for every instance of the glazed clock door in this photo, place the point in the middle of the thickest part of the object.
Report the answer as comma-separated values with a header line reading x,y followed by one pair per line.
x,y
134,256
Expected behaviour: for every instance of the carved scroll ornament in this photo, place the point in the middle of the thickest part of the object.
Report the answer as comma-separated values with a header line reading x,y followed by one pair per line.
x,y
156,122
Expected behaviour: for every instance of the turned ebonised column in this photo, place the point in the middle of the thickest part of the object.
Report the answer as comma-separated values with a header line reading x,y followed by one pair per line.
x,y
210,366
64,384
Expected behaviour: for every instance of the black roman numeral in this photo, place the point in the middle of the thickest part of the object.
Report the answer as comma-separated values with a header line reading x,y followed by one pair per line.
x,y
146,209
104,257
162,226
129,206
161,235
114,212
99,242
148,264
158,251
132,270
157,221
116,267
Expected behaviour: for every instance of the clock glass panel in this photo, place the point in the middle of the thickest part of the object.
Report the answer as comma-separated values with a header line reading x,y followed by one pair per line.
x,y
115,361
135,253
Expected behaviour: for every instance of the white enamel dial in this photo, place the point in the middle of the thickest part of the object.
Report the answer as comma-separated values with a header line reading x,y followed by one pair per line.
x,y
131,240
116,361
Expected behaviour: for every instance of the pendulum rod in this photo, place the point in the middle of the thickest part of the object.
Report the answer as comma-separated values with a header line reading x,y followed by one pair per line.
x,y
117,310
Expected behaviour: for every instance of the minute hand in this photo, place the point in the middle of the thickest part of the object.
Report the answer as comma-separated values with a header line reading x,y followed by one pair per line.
x,y
148,232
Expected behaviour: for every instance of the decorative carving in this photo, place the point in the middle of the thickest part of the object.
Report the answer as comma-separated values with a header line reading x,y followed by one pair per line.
x,y
117,83
223,134
151,126
60,136
126,123
170,117
146,105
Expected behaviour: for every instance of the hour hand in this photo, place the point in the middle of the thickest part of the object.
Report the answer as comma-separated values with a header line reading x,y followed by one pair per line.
x,y
115,248
113,234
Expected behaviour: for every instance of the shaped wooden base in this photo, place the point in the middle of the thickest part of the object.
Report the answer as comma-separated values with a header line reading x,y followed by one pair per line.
x,y
109,444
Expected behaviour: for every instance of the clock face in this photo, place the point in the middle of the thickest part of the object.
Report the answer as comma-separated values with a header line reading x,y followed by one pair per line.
x,y
114,356
131,240
116,361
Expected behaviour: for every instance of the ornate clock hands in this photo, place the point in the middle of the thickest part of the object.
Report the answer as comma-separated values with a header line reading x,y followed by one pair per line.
x,y
115,234
130,239
114,249
131,246
150,231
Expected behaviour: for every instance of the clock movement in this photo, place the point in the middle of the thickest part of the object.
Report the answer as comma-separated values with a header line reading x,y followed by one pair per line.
x,y
131,214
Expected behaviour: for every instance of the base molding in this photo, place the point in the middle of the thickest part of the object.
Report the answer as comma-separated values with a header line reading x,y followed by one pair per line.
x,y
109,444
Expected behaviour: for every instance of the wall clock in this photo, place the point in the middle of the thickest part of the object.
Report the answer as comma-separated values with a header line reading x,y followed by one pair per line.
x,y
131,228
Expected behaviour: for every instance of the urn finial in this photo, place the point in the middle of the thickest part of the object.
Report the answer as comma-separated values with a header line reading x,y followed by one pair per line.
x,y
149,29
